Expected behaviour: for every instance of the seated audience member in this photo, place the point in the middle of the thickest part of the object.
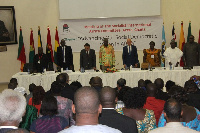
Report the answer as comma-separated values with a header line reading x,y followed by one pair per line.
x,y
192,93
160,84
64,104
173,112
152,55
96,82
49,122
142,84
120,83
134,100
190,117
152,103
87,108
12,106
14,80
110,117
31,88
12,86
147,81
169,84
38,95
76,85
122,91
67,91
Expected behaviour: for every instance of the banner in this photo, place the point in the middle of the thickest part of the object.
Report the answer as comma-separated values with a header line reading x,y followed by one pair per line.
x,y
141,30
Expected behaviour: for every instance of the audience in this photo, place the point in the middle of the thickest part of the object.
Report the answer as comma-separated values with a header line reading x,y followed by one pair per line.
x,y
87,108
152,103
31,88
120,103
120,83
173,112
134,100
161,95
169,84
12,86
76,85
12,106
191,115
49,122
64,104
96,82
38,95
142,84
110,117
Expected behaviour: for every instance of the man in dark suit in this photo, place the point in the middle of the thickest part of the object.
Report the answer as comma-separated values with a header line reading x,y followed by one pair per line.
x,y
88,58
110,117
64,56
130,56
40,61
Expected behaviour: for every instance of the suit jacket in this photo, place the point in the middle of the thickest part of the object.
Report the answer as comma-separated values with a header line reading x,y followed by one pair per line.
x,y
87,61
131,59
40,65
113,119
68,92
68,56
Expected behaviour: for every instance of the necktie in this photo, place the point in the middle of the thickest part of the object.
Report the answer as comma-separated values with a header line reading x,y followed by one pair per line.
x,y
87,53
129,50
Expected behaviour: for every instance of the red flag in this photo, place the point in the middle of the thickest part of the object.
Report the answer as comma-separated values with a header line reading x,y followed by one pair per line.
x,y
181,43
49,50
21,51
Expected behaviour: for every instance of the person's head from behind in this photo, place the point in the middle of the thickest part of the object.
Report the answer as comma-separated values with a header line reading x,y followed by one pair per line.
x,y
12,86
178,93
38,95
87,47
62,78
135,98
159,83
96,81
169,84
152,45
141,83
190,86
12,106
147,81
40,50
76,85
56,88
108,97
49,106
151,90
172,110
191,39
122,92
14,80
86,101
121,83
31,87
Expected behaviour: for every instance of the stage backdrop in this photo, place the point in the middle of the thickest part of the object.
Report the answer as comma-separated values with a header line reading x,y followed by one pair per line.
x,y
141,30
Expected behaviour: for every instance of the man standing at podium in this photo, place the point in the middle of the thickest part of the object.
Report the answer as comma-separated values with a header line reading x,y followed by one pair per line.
x,y
130,56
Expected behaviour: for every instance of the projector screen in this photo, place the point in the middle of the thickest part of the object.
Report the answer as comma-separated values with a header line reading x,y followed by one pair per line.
x,y
80,9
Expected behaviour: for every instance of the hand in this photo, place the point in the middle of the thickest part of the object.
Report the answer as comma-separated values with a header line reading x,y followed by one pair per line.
x,y
113,65
136,65
94,68
170,63
177,64
124,65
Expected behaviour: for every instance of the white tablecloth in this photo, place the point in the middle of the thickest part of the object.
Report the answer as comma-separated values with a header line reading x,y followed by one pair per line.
x,y
109,79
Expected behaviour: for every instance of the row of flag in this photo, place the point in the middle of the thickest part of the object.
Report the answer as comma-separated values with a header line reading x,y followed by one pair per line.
x,y
49,52
181,41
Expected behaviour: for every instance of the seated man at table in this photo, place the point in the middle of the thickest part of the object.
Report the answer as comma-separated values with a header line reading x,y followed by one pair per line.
x,y
152,55
40,61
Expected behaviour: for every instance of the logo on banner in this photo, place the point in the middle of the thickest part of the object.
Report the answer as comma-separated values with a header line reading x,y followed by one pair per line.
x,y
66,28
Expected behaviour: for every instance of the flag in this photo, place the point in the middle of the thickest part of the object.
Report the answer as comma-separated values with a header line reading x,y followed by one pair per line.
x,y
189,32
181,43
32,48
163,47
56,46
39,38
49,51
199,37
173,33
21,51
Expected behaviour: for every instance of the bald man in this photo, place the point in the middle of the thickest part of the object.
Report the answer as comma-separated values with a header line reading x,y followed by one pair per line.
x,y
109,115
87,108
152,103
130,56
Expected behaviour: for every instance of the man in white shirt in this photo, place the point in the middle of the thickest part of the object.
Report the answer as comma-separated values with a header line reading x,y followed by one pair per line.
x,y
87,108
172,55
172,113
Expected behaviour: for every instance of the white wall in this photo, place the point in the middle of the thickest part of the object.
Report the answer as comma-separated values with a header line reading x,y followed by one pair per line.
x,y
34,13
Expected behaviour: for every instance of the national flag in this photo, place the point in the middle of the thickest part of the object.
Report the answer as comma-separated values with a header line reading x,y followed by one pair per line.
x,y
39,38
49,51
173,33
32,48
21,51
181,42
189,31
163,47
56,46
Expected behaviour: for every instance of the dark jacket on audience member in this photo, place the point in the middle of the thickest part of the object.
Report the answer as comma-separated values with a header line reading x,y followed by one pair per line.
x,y
162,95
113,119
68,92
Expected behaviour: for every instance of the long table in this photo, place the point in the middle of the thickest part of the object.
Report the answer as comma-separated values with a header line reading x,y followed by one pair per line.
x,y
109,79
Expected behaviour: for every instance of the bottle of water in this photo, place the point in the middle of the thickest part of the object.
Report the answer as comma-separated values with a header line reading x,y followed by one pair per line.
x,y
170,67
82,70
66,68
28,71
131,68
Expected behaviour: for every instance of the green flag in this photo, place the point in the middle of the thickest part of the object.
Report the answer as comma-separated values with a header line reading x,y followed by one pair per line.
x,y
189,32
